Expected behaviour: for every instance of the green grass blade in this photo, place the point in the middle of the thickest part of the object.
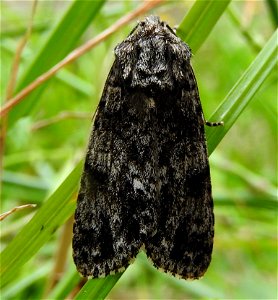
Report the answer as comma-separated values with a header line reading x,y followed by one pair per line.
x,y
61,41
55,211
243,91
199,22
12,290
98,288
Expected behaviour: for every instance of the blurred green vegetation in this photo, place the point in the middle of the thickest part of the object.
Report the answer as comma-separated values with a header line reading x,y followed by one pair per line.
x,y
47,135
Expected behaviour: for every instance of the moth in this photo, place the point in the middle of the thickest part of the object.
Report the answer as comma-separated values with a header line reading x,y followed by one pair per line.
x,y
146,179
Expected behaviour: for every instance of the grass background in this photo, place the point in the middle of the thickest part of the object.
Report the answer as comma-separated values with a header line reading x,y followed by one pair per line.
x,y
48,131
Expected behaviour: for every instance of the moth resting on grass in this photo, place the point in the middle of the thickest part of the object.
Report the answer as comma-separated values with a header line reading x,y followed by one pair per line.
x,y
146,179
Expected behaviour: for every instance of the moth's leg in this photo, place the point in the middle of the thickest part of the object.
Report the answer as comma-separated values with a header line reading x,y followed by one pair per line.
x,y
213,124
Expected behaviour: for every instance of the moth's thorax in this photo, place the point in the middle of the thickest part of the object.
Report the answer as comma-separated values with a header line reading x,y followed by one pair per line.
x,y
153,56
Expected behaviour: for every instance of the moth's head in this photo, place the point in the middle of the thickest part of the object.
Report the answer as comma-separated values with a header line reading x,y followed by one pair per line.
x,y
152,26
152,56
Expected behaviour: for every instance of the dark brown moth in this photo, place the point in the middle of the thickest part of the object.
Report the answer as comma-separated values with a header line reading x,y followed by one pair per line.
x,y
146,179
